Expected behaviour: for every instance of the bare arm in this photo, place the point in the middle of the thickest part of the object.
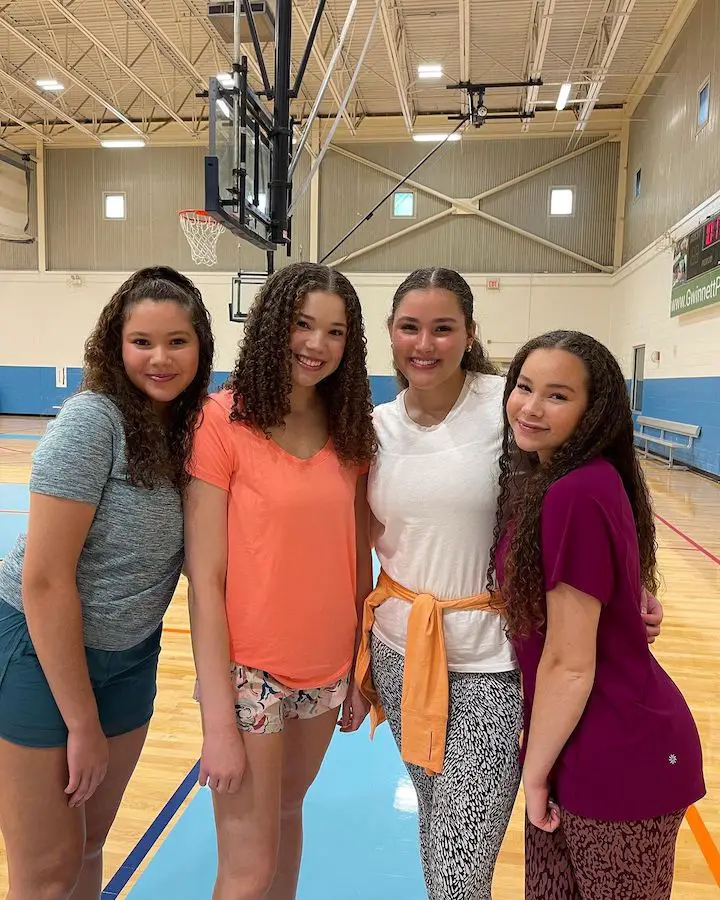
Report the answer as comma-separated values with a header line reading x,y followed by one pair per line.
x,y
223,755
57,532
206,564
565,678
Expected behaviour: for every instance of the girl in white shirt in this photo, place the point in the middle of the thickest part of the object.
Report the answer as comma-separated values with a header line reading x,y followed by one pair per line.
x,y
433,493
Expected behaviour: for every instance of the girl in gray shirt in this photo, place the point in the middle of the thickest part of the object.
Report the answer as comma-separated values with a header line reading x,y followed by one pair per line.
x,y
83,594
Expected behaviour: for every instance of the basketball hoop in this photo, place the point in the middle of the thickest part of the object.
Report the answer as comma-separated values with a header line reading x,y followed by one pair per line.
x,y
202,233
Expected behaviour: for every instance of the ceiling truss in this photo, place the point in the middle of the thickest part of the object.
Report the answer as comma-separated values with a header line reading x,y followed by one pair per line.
x,y
138,67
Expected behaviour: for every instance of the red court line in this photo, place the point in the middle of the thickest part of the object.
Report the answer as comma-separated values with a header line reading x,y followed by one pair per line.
x,y
688,539
699,829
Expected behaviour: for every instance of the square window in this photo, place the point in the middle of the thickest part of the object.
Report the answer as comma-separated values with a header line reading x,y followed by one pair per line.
x,y
562,201
638,181
114,206
403,205
703,115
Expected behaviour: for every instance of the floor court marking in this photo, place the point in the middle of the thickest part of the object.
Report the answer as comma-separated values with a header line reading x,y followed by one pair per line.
x,y
150,838
704,840
383,818
698,828
685,537
146,843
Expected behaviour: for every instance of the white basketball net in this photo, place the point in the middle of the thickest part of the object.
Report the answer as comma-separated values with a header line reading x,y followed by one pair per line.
x,y
202,233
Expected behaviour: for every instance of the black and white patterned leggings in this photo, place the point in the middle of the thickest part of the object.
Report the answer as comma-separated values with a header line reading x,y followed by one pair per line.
x,y
464,811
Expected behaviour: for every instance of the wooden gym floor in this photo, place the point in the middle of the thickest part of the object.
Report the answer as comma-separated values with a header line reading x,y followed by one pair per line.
x,y
688,510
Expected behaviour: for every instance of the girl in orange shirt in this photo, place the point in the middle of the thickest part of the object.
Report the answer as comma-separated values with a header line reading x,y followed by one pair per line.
x,y
278,555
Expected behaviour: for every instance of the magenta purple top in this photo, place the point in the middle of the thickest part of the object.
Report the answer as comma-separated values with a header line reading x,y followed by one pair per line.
x,y
635,753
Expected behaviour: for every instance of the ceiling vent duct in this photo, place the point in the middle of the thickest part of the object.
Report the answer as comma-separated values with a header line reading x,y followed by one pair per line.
x,y
221,16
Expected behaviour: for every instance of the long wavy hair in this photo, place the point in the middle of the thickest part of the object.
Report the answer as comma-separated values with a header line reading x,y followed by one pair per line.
x,y
261,382
475,359
606,430
156,449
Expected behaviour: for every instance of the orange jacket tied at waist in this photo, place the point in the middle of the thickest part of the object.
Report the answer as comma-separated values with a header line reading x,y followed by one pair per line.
x,y
425,693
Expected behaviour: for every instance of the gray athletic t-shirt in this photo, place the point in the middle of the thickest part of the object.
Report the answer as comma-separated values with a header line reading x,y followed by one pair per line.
x,y
130,564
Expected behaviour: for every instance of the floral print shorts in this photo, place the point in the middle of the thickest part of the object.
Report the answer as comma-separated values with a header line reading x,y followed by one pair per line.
x,y
262,703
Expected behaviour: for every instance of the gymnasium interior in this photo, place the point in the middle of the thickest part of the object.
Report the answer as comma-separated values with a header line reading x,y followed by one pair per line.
x,y
563,155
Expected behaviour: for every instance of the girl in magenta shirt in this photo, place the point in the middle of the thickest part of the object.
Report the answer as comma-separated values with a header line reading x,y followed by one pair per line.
x,y
611,753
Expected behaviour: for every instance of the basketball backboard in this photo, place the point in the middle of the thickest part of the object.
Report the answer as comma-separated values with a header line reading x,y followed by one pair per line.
x,y
238,165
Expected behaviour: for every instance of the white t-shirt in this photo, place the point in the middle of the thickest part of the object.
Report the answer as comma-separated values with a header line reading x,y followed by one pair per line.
x,y
433,492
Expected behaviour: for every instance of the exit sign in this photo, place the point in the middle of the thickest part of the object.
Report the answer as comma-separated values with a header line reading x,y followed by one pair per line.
x,y
493,284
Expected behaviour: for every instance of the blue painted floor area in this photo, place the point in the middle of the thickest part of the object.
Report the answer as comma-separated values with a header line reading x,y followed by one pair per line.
x,y
10,527
19,437
14,503
14,497
360,833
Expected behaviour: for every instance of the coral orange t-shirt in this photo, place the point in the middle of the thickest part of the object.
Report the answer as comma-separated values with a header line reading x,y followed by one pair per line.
x,y
291,576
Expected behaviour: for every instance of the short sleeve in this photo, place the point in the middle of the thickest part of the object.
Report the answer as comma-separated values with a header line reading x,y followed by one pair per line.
x,y
75,457
212,456
576,540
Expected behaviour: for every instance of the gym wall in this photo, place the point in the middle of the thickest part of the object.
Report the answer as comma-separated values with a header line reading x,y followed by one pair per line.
x,y
463,170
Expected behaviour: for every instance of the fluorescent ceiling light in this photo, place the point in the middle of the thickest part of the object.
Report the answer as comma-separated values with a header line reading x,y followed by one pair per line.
x,y
430,71
123,142
49,84
435,138
225,79
563,97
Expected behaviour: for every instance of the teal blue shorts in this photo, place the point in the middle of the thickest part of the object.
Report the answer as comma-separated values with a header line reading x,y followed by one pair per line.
x,y
124,683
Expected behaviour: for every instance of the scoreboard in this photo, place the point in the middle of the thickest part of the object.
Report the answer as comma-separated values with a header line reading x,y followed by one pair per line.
x,y
703,251
696,269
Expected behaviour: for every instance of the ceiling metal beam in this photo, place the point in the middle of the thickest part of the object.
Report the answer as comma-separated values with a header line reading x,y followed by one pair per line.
x,y
200,17
610,32
138,15
21,35
394,34
103,48
465,45
667,38
38,98
324,65
5,114
541,35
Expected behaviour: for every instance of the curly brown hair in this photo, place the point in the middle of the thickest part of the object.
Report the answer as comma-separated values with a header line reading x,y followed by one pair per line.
x,y
606,430
155,449
261,382
475,359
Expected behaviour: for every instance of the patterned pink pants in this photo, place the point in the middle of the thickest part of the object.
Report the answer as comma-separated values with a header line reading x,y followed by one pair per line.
x,y
590,860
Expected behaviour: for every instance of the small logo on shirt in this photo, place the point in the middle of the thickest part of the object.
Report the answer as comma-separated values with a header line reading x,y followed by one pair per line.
x,y
672,759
